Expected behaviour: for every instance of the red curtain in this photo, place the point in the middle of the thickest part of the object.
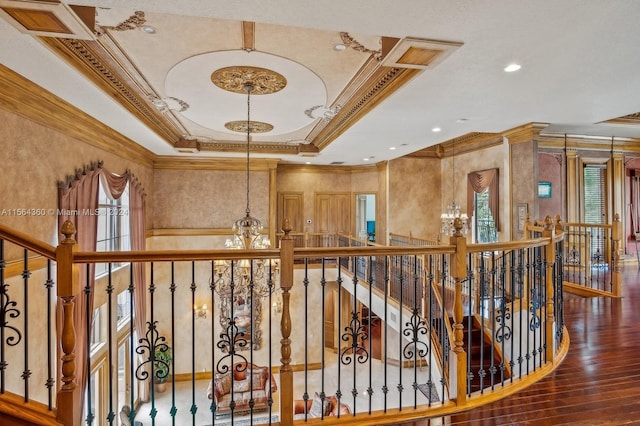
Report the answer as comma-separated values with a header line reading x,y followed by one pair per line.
x,y
80,194
480,181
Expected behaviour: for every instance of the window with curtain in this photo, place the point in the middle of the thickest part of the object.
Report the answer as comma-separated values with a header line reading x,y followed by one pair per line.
x,y
113,226
483,223
483,199
595,206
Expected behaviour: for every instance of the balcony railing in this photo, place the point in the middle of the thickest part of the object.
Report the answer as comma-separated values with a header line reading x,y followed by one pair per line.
x,y
351,331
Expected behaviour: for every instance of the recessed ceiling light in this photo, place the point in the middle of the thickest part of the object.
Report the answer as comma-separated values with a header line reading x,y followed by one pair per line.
x,y
148,29
512,67
392,148
339,47
436,129
365,159
308,162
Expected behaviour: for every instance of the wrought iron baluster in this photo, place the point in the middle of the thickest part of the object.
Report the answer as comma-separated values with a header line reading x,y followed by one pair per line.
x,y
385,387
88,328
26,373
131,387
192,288
370,281
109,289
50,380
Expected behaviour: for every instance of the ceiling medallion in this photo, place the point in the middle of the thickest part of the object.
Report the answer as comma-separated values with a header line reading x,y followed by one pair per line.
x,y
241,126
349,41
233,79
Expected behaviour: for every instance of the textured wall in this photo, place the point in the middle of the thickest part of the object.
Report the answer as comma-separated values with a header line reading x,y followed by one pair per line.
x,y
524,186
207,198
43,157
550,170
414,197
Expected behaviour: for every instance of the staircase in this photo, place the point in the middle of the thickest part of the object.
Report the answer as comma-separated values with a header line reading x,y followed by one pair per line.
x,y
484,361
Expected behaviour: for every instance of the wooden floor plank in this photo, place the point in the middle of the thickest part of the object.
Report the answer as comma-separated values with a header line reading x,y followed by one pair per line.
x,y
598,383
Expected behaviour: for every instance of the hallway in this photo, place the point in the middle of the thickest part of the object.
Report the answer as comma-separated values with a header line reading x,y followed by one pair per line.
x,y
598,383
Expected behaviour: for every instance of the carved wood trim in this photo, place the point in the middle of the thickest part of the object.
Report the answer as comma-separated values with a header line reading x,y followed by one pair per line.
x,y
23,97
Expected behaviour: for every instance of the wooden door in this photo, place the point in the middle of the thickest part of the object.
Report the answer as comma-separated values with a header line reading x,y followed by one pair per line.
x,y
333,213
290,206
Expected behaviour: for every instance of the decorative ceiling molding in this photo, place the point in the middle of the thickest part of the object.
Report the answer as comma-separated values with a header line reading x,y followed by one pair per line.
x,y
234,78
218,164
134,22
118,78
469,142
240,126
349,41
419,53
248,36
23,97
377,86
50,18
633,119
256,147
104,63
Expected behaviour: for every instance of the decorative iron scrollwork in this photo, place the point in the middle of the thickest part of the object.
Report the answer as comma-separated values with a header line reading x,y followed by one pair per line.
x,y
8,310
152,343
416,326
503,332
356,332
231,341
535,322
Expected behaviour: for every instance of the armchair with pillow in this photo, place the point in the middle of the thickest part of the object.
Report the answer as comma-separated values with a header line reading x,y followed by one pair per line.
x,y
249,382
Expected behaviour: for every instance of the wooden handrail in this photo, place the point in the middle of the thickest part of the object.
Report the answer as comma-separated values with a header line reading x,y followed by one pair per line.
x,y
172,255
28,242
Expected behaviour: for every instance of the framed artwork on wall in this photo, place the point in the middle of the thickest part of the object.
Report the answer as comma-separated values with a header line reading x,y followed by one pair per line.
x,y
544,189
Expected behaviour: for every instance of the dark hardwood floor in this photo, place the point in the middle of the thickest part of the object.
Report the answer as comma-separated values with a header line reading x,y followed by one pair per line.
x,y
598,383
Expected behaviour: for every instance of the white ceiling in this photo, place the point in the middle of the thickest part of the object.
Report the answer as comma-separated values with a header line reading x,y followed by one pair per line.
x,y
580,66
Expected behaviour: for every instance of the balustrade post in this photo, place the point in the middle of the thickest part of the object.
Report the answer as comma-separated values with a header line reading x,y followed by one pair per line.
x,y
286,283
550,258
459,273
616,235
69,395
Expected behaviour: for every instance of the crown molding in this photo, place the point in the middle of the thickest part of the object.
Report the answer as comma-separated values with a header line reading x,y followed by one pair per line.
x,y
23,97
217,164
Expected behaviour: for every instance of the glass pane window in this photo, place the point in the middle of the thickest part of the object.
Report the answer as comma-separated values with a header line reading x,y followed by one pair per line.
x,y
113,226
484,224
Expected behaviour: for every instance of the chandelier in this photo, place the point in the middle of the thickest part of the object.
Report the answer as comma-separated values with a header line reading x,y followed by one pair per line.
x,y
245,279
448,217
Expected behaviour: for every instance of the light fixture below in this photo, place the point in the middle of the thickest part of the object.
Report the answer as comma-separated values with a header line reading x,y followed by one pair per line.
x,y
512,67
449,216
148,29
201,311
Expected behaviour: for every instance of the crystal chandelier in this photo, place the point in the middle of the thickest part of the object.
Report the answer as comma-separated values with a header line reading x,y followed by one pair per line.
x,y
244,278
448,217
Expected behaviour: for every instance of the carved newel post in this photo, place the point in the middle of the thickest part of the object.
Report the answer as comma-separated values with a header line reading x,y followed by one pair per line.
x,y
458,273
69,395
550,232
286,283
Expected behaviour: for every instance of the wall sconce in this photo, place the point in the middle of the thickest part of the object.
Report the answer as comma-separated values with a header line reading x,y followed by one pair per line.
x,y
277,306
201,312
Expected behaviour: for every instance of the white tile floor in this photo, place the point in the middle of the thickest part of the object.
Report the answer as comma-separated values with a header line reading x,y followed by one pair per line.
x,y
332,382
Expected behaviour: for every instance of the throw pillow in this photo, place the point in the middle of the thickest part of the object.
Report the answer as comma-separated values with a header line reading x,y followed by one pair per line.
x,y
240,386
319,408
223,383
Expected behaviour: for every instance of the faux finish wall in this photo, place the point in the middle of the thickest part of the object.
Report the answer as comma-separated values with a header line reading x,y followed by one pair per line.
x,y
190,199
414,197
35,158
